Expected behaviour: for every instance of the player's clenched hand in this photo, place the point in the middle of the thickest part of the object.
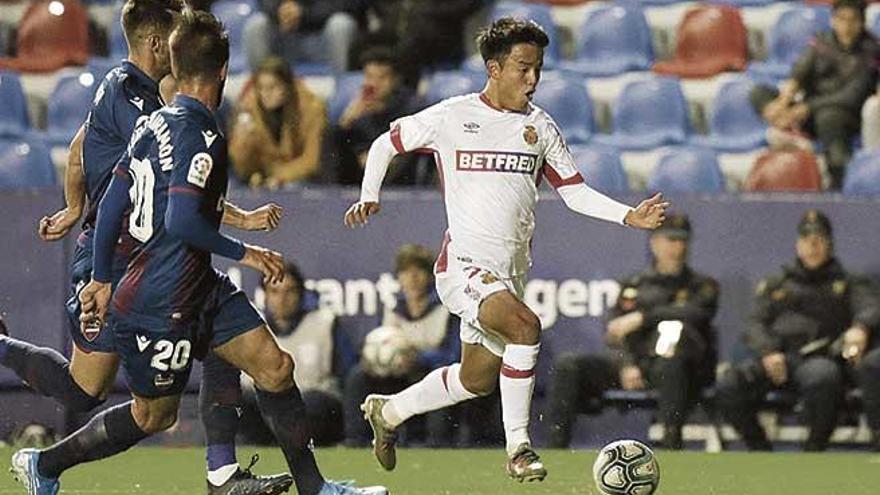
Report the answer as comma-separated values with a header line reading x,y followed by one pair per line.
x,y
359,212
58,225
265,261
94,300
266,217
649,214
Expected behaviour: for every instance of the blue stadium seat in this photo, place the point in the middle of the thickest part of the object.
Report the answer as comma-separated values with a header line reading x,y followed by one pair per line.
x,y
347,86
24,163
234,14
69,105
448,83
568,102
863,174
539,13
733,123
14,118
648,113
614,39
601,168
874,26
787,40
688,169
100,66
118,47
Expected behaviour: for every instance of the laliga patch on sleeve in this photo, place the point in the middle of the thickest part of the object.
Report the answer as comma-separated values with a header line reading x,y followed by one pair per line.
x,y
200,169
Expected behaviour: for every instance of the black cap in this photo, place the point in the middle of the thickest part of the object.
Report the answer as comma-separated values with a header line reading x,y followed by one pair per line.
x,y
814,222
676,226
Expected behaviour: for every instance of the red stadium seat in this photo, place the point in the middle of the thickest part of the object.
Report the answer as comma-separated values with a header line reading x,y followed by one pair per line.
x,y
784,171
52,34
711,40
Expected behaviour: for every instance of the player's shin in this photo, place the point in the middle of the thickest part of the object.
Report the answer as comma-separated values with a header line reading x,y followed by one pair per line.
x,y
110,432
285,414
46,372
517,382
438,389
219,405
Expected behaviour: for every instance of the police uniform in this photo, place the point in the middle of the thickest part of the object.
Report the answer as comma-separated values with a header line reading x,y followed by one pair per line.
x,y
803,314
678,376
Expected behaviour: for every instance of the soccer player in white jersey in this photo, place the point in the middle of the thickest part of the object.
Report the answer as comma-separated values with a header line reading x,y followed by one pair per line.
x,y
492,150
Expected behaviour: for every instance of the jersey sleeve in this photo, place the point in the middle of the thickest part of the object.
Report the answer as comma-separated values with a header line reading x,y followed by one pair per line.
x,y
559,168
418,130
126,111
193,165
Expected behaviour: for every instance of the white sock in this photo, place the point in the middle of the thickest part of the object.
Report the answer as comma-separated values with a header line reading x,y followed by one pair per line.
x,y
221,475
440,388
517,383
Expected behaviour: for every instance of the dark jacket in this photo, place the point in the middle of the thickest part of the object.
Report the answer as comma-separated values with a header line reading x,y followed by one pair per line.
x,y
689,297
314,12
833,76
805,311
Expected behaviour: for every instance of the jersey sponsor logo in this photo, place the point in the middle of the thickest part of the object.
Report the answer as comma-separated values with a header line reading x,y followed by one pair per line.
x,y
200,169
142,343
496,161
209,136
530,135
138,102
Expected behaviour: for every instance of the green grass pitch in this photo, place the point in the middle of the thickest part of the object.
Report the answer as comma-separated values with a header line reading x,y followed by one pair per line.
x,y
152,470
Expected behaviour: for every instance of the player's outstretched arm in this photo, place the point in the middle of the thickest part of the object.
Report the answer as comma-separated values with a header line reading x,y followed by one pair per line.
x,y
55,227
649,214
266,217
379,157
184,220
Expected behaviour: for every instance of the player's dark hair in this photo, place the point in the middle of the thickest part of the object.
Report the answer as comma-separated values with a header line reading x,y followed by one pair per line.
x,y
381,55
141,18
497,39
413,255
857,5
199,45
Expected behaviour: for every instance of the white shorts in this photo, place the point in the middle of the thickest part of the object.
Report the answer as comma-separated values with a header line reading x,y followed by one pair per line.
x,y
463,286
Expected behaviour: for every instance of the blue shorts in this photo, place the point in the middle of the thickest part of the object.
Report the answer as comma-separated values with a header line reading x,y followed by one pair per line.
x,y
92,340
158,361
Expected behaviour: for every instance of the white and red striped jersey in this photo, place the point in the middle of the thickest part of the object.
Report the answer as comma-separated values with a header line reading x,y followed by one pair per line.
x,y
491,162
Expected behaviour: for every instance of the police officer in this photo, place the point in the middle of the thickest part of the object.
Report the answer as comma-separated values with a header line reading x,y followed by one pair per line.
x,y
811,327
660,335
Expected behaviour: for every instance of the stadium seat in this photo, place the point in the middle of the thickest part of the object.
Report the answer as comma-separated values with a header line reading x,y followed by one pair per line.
x,y
446,84
787,40
347,85
100,66
733,123
601,168
539,13
69,105
648,113
568,102
863,174
14,118
711,40
51,34
874,25
234,14
784,171
118,47
688,169
614,39
24,163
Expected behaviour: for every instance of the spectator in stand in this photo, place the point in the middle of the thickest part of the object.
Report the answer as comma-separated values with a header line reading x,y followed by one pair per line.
x,y
323,356
828,85
814,328
661,335
428,327
277,132
310,31
381,99
426,33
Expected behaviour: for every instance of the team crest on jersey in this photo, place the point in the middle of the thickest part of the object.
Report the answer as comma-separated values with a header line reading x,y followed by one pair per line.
x,y
530,135
488,278
91,332
200,169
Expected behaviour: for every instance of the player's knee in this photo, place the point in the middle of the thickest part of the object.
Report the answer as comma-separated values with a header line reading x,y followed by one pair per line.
x,y
526,328
151,419
481,385
277,373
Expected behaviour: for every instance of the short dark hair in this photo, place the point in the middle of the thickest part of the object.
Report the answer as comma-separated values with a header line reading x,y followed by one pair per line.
x,y
199,45
857,5
381,55
145,17
414,255
497,39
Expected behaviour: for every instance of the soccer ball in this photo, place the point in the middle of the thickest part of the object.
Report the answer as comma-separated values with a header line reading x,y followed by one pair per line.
x,y
626,467
387,353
